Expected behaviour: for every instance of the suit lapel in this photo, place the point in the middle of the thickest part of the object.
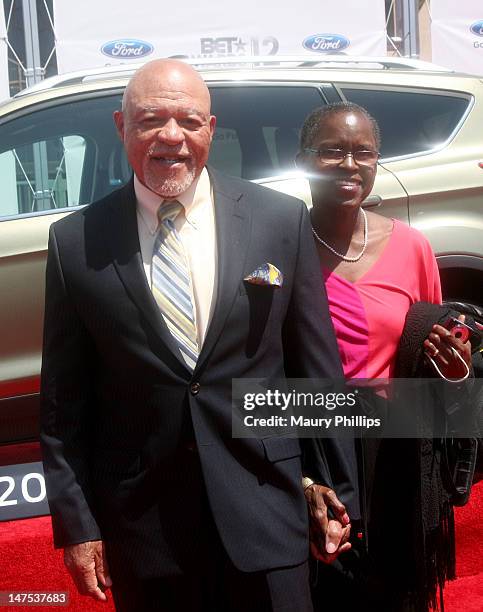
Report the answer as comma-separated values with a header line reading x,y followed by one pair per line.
x,y
126,253
232,220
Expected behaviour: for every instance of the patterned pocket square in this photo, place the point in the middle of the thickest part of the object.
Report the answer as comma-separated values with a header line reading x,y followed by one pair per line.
x,y
266,274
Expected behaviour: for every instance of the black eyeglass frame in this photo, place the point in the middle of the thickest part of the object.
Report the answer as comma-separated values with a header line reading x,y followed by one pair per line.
x,y
353,154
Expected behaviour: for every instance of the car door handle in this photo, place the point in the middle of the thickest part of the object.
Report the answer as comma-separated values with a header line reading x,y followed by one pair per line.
x,y
372,201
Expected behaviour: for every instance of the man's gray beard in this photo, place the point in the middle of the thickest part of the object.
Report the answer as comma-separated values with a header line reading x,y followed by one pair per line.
x,y
172,188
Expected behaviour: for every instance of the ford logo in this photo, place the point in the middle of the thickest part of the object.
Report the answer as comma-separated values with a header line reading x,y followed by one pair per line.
x,y
127,48
477,28
326,43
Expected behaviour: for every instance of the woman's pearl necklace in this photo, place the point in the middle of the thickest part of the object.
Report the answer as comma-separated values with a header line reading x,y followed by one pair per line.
x,y
344,257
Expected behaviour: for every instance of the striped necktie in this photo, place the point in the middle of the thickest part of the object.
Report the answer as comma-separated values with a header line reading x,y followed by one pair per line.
x,y
171,284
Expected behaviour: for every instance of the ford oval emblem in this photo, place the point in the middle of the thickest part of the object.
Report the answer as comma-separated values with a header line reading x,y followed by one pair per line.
x,y
326,43
477,28
127,48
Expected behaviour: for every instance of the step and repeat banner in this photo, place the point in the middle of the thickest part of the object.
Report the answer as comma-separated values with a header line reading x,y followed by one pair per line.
x,y
457,34
94,34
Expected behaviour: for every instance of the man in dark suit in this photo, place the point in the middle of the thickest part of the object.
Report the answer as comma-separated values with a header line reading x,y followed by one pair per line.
x,y
148,319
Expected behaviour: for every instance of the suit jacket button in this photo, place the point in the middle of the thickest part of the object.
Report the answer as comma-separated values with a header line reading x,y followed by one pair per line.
x,y
195,388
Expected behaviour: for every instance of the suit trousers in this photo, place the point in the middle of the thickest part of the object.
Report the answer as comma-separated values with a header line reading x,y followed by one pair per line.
x,y
208,582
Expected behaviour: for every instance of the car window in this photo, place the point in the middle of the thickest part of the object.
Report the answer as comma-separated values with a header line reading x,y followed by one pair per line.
x,y
258,127
410,122
68,153
226,151
64,155
42,175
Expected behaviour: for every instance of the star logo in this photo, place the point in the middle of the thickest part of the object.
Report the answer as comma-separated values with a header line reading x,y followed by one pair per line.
x,y
240,46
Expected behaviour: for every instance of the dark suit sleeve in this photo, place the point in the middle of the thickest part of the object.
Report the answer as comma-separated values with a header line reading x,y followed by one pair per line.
x,y
311,351
310,347
65,417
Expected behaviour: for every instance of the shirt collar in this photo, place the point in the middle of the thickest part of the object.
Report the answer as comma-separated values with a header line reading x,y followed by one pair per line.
x,y
192,200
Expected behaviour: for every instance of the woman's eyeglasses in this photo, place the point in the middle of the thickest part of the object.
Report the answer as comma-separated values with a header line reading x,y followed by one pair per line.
x,y
337,156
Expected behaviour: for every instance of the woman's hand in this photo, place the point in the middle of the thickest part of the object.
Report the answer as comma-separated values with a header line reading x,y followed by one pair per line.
x,y
328,536
439,345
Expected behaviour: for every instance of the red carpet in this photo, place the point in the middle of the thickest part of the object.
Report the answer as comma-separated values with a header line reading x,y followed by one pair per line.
x,y
466,593
28,562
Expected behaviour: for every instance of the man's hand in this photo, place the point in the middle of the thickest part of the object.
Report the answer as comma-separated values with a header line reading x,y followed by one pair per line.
x,y
328,536
87,564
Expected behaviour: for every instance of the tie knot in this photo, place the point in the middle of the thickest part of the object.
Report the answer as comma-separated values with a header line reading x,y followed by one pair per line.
x,y
169,210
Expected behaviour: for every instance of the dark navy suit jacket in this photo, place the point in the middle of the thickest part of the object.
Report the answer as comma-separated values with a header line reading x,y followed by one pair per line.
x,y
118,401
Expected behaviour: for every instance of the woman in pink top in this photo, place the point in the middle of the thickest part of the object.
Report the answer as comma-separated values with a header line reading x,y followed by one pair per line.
x,y
375,268
368,312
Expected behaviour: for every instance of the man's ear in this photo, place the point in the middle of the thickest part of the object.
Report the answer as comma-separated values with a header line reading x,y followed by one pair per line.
x,y
119,121
212,124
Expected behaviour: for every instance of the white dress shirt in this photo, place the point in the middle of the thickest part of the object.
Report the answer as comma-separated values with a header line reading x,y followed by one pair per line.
x,y
196,229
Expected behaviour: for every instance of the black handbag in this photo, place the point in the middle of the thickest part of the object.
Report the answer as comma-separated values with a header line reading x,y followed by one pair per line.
x,y
461,459
465,465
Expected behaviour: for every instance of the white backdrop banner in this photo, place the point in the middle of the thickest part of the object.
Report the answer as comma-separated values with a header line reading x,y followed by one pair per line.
x,y
4,85
94,34
457,34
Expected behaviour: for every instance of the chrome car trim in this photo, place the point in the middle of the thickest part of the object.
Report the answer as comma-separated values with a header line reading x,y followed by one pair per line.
x,y
42,213
217,63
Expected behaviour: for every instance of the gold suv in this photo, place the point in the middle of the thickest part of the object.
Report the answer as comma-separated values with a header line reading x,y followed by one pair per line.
x,y
59,151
